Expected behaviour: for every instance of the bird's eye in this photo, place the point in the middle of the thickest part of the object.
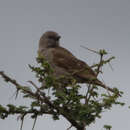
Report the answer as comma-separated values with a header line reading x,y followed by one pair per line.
x,y
50,37
54,38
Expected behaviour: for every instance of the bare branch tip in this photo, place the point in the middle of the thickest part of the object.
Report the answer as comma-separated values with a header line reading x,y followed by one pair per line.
x,y
90,49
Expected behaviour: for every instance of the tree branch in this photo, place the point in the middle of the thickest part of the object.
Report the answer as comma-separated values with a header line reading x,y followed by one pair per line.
x,y
43,99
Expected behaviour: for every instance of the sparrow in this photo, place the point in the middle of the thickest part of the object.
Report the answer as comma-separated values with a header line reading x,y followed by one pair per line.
x,y
64,63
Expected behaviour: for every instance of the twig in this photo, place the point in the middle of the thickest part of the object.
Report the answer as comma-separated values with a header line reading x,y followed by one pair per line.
x,y
100,64
106,88
103,62
44,99
34,85
22,119
31,82
90,93
90,49
101,58
86,97
34,123
110,66
69,127
8,79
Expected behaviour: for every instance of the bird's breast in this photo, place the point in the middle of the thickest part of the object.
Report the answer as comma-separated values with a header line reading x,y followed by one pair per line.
x,y
49,57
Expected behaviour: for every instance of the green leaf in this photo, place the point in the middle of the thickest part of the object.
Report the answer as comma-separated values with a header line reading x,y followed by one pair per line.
x,y
102,52
107,127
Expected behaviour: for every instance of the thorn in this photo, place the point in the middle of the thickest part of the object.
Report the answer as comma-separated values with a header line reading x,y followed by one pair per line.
x,y
90,49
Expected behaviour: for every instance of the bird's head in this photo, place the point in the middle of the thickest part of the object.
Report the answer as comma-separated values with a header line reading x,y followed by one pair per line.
x,y
49,39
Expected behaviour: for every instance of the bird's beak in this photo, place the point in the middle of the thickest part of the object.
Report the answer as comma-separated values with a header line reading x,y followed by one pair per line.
x,y
58,37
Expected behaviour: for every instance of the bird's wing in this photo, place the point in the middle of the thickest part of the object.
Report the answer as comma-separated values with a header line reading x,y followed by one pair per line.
x,y
64,59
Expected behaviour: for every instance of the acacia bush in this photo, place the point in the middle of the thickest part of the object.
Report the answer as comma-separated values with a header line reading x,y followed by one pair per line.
x,y
57,98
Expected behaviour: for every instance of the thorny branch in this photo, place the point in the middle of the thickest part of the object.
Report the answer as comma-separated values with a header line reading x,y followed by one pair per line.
x,y
97,70
100,64
42,99
90,49
65,111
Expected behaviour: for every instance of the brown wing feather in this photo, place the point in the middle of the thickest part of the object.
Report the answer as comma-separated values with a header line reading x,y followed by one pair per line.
x,y
63,58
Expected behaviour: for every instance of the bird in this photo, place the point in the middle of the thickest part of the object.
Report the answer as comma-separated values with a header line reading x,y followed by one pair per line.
x,y
64,63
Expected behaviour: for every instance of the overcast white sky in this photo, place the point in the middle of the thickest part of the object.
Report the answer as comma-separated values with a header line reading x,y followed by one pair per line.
x,y
92,23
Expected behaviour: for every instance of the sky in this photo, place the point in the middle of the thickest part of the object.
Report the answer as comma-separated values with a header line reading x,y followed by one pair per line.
x,y
96,24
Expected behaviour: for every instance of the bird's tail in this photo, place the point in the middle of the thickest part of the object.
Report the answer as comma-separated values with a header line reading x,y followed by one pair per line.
x,y
99,83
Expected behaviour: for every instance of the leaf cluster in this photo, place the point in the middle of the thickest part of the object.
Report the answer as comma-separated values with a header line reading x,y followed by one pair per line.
x,y
58,98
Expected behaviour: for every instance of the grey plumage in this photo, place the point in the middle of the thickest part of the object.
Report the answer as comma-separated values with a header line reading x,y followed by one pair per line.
x,y
64,63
